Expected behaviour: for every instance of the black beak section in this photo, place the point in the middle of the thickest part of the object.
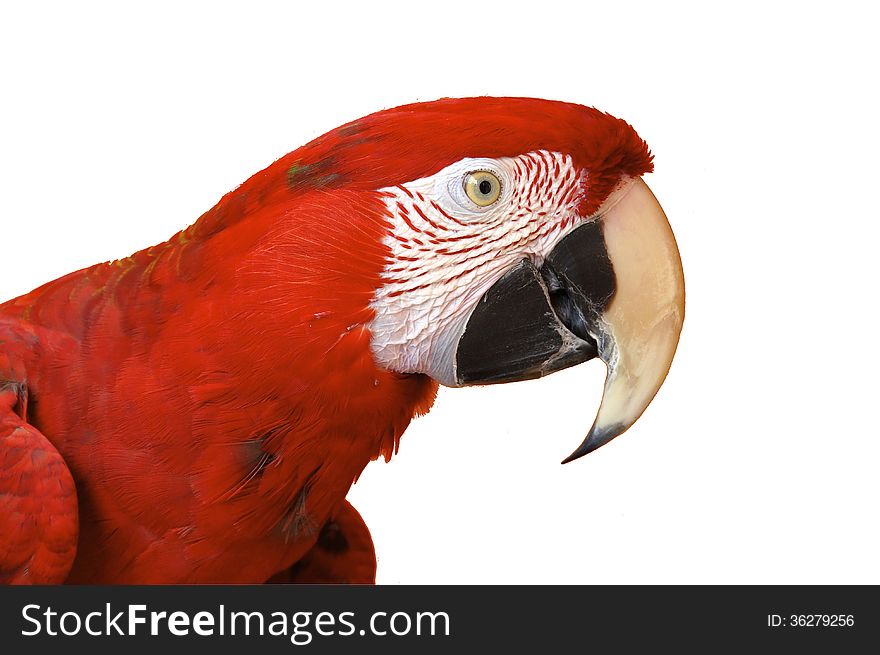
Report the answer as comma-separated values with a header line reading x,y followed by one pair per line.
x,y
532,321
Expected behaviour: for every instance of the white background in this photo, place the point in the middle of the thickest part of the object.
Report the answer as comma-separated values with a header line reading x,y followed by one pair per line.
x,y
757,461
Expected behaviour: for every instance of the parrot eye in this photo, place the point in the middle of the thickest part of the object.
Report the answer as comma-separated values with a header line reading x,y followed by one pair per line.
x,y
482,187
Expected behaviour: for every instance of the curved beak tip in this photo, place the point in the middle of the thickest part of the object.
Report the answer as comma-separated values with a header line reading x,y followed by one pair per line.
x,y
596,438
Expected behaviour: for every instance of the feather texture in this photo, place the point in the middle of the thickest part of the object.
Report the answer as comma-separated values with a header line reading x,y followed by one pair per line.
x,y
215,396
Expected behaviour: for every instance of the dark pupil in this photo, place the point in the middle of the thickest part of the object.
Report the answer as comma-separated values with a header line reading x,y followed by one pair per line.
x,y
485,187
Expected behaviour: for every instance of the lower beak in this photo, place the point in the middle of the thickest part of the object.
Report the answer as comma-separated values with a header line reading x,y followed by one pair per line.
x,y
613,287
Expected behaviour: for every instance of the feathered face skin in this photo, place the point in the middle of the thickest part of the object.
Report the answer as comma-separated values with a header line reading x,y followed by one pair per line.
x,y
215,396
448,250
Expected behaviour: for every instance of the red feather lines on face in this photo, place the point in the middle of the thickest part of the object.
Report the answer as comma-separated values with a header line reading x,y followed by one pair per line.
x,y
545,193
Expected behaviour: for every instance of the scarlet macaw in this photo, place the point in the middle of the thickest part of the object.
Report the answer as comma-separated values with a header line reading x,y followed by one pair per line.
x,y
197,412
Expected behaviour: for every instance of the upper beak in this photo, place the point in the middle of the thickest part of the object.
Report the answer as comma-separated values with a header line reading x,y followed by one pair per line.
x,y
613,287
638,331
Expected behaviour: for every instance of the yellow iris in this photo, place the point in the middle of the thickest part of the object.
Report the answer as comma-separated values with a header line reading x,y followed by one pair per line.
x,y
482,187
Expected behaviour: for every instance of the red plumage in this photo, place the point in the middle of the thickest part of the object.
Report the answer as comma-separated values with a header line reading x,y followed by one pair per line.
x,y
214,397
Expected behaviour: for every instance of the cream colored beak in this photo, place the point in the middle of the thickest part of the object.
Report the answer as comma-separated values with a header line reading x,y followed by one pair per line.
x,y
639,329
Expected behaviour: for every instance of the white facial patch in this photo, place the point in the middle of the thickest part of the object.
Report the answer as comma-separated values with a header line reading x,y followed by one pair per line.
x,y
446,252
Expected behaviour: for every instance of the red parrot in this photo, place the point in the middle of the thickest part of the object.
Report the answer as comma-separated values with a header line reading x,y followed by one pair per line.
x,y
198,411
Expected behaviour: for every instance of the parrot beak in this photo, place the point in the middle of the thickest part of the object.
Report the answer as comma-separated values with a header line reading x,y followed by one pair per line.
x,y
613,287
638,330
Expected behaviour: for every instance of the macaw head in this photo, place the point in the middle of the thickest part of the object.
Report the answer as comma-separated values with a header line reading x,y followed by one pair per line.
x,y
520,240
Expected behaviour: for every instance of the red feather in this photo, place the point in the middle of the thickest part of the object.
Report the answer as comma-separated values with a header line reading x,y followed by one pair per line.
x,y
215,396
